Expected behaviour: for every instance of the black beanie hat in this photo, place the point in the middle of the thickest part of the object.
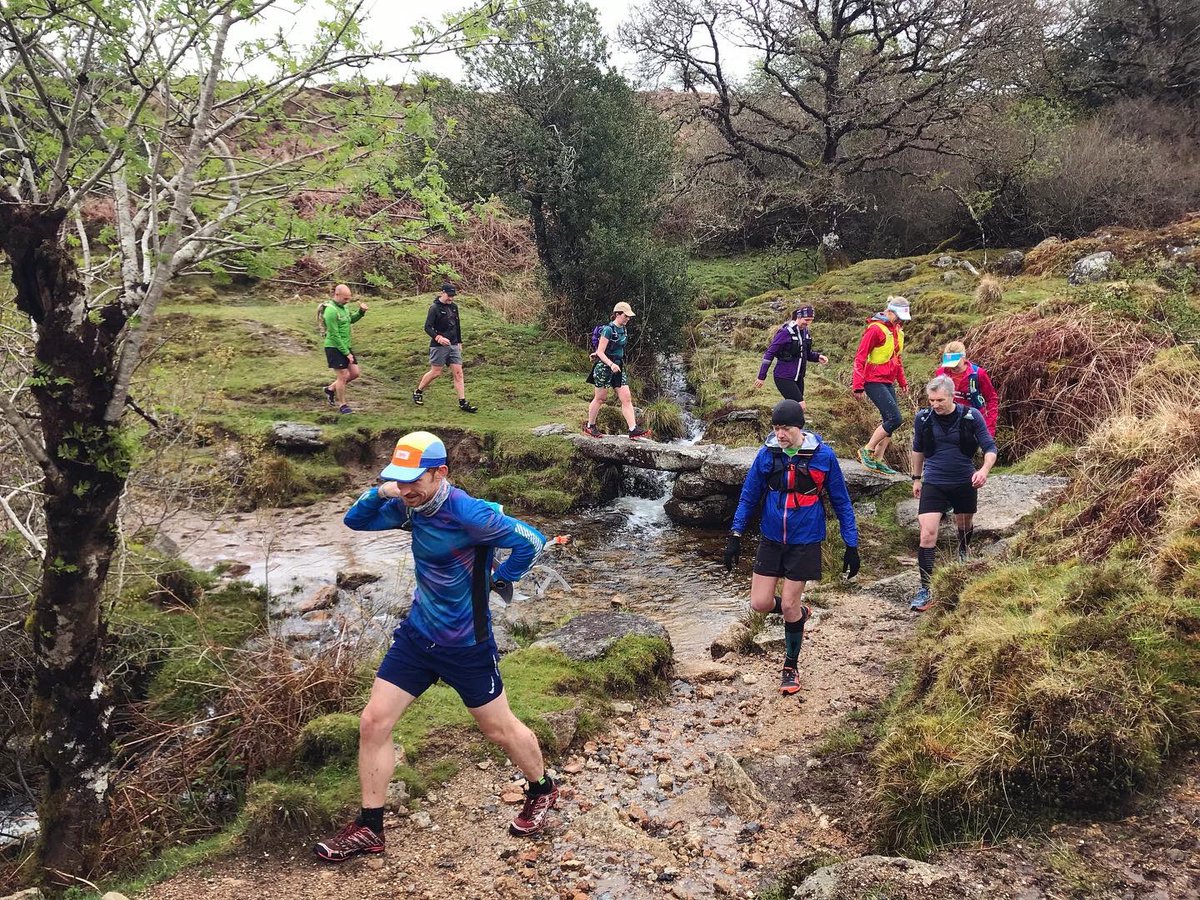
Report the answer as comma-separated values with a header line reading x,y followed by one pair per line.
x,y
789,413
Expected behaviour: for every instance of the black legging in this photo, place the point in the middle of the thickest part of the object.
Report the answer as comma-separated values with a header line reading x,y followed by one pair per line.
x,y
791,390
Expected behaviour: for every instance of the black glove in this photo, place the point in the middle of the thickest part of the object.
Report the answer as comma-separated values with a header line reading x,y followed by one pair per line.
x,y
733,551
850,562
504,589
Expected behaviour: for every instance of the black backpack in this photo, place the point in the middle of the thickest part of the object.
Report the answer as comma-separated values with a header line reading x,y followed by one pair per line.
x,y
967,442
793,348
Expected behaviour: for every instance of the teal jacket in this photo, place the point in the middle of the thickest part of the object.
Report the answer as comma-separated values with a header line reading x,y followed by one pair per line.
x,y
338,320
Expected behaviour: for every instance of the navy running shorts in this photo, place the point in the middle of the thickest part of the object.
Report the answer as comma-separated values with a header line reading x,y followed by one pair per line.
x,y
336,359
795,562
939,498
414,663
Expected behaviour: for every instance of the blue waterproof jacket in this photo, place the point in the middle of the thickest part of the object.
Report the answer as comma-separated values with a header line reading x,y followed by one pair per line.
x,y
792,519
452,550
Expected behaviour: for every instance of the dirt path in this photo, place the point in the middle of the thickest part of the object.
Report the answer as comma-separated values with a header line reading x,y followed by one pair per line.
x,y
654,768
640,816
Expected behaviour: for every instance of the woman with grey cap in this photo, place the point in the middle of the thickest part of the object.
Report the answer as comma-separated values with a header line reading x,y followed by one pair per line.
x,y
792,350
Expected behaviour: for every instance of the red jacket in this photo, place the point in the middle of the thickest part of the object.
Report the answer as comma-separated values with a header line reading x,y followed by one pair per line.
x,y
962,393
886,372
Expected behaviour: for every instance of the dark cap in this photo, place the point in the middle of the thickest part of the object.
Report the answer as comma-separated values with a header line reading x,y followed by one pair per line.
x,y
788,413
449,288
806,311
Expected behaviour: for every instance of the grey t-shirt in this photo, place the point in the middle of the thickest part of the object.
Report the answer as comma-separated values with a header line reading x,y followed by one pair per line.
x,y
945,463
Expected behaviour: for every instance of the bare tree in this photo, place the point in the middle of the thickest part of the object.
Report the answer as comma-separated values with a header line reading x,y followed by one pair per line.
x,y
839,87
159,113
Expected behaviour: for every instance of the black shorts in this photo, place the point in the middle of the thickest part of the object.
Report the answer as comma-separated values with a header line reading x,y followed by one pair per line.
x,y
789,389
795,562
336,359
962,498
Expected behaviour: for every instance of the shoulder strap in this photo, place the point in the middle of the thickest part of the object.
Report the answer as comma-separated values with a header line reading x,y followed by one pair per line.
x,y
480,587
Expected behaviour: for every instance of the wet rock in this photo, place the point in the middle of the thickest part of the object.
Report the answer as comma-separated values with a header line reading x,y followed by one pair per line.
x,y
1004,502
352,581
896,877
728,467
734,639
324,597
691,486
297,437
555,428
698,671
591,635
1011,263
714,511
1093,267
603,825
646,454
231,568
735,787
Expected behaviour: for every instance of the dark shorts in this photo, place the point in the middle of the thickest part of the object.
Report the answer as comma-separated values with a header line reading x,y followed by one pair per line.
x,y
790,390
795,562
962,498
413,664
604,377
336,359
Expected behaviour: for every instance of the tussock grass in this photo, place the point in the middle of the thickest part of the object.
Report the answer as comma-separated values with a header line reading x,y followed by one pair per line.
x,y
988,294
665,419
1048,690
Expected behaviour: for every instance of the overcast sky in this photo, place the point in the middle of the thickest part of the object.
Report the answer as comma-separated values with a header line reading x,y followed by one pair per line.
x,y
391,21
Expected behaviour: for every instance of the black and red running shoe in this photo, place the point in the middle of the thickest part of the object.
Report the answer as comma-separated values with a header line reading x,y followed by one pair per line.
x,y
534,813
350,841
641,434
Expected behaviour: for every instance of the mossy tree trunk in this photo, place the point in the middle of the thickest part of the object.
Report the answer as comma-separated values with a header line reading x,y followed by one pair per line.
x,y
86,463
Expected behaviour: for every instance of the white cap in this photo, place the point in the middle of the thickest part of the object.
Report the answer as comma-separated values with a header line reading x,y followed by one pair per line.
x,y
899,305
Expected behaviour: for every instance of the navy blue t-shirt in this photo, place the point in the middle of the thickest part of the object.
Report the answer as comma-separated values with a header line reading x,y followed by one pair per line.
x,y
947,465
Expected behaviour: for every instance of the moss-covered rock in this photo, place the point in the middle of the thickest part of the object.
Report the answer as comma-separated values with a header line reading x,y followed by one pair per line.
x,y
330,739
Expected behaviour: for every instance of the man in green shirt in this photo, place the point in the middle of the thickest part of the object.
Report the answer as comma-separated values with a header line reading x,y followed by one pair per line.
x,y
338,354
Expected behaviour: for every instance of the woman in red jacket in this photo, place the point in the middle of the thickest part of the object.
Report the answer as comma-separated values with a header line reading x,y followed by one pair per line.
x,y
878,368
972,384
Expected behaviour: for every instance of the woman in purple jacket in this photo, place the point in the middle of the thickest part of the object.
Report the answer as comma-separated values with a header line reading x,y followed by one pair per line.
x,y
792,350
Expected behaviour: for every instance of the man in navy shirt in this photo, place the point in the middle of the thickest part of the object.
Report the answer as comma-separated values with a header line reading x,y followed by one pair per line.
x,y
946,436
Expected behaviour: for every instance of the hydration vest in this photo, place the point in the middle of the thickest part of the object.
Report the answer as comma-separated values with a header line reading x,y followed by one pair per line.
x,y
892,346
967,441
794,348
794,476
974,397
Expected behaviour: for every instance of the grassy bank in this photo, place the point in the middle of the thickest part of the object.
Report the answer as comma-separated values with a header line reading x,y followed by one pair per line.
x,y
230,365
1062,678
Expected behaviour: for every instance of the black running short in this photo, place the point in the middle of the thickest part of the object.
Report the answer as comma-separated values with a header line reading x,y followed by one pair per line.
x,y
962,498
336,359
789,389
795,562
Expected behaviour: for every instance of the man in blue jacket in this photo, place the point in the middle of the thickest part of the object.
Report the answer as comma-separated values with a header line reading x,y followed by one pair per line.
x,y
789,479
448,633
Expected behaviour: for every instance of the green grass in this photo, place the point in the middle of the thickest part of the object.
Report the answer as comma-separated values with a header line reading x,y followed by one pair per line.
x,y
252,360
721,281
1041,691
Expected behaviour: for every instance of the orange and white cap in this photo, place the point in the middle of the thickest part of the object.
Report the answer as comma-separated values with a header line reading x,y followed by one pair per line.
x,y
415,453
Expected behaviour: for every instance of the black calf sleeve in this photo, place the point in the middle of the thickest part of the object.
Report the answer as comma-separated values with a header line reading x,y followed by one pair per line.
x,y
925,558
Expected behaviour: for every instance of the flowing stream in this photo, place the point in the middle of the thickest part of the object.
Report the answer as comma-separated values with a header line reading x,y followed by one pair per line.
x,y
624,554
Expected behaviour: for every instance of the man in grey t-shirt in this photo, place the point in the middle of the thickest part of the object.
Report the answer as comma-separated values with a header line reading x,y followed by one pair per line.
x,y
445,347
946,436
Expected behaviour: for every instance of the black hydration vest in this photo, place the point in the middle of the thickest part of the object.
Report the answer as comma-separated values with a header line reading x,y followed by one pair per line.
x,y
794,476
967,442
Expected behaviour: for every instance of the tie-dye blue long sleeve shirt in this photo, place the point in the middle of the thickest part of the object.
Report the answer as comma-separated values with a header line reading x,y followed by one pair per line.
x,y
449,599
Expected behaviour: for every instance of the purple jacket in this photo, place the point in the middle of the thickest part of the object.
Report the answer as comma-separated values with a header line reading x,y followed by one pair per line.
x,y
800,342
